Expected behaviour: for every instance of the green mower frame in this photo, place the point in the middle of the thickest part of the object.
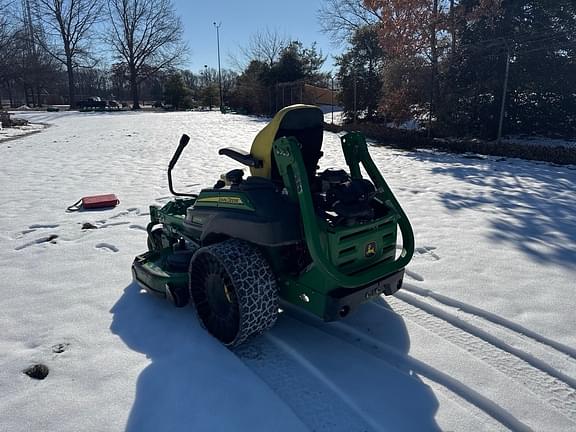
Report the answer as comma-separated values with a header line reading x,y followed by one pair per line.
x,y
235,249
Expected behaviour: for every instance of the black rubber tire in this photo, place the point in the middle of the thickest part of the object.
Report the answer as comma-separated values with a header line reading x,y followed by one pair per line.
x,y
234,291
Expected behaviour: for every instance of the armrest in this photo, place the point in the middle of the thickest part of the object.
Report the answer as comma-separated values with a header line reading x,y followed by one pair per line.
x,y
241,156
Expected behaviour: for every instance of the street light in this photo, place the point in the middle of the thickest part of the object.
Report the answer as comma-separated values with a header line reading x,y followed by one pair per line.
x,y
219,72
208,91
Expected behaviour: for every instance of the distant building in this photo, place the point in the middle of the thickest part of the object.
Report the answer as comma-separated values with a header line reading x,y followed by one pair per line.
x,y
290,93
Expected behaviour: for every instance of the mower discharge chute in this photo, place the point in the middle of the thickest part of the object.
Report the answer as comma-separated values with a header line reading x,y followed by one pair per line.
x,y
324,241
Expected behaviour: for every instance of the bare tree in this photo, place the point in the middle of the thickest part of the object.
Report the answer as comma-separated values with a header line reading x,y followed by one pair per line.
x,y
65,33
265,46
4,9
5,35
146,35
12,49
8,29
341,18
5,29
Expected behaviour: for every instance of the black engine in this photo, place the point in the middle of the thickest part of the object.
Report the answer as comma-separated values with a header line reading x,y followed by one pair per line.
x,y
345,200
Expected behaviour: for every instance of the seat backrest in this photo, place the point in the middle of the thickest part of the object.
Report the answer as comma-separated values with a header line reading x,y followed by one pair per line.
x,y
303,122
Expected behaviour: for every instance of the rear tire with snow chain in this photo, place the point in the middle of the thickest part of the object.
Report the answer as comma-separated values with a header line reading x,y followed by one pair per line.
x,y
234,291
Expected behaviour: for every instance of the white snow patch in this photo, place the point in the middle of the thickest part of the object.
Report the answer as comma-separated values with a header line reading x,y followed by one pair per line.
x,y
482,336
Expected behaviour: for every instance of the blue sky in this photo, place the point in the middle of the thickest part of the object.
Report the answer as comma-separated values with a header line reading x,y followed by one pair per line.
x,y
240,19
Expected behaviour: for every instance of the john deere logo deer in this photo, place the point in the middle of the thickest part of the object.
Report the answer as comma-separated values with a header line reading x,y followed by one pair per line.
x,y
370,250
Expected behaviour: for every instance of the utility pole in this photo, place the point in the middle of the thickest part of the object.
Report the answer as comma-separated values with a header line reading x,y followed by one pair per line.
x,y
452,32
504,91
219,71
433,65
332,96
355,98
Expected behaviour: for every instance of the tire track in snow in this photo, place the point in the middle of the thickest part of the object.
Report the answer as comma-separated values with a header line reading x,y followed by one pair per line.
x,y
313,402
352,412
490,413
551,385
493,318
555,354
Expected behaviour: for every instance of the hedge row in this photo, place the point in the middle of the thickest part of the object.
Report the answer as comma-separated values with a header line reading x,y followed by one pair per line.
x,y
410,140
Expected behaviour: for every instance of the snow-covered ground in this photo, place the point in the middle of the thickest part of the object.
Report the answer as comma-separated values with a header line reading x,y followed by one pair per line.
x,y
333,116
19,131
481,338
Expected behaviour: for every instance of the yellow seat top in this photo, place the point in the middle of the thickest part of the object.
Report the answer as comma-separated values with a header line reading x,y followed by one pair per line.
x,y
291,118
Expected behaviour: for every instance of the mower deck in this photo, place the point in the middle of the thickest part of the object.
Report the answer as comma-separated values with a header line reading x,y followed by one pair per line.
x,y
152,271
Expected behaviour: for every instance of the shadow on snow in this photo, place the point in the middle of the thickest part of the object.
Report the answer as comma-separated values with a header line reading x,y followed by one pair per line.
x,y
528,204
299,376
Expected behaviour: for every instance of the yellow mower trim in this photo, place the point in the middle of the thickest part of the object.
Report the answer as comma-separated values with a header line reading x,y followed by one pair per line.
x,y
262,145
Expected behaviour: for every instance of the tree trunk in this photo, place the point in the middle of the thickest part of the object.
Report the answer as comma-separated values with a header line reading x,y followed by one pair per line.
x,y
134,89
71,92
10,95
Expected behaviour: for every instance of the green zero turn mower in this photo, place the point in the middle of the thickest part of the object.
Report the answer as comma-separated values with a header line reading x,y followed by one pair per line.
x,y
324,241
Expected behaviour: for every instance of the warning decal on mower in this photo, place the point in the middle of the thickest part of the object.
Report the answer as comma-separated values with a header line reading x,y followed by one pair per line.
x,y
223,200
370,250
230,200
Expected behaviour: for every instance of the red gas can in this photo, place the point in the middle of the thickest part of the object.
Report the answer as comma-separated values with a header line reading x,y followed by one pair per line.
x,y
95,202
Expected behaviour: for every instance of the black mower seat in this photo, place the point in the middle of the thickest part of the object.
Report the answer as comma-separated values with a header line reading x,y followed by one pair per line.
x,y
303,122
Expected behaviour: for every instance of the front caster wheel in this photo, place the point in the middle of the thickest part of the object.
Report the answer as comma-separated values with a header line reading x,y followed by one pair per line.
x,y
156,239
234,291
